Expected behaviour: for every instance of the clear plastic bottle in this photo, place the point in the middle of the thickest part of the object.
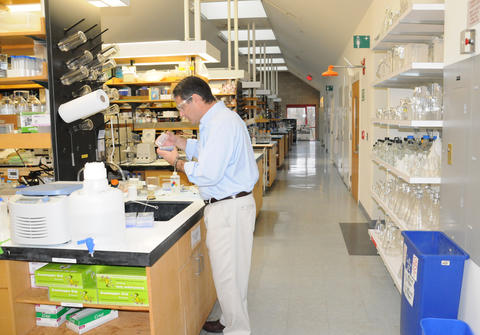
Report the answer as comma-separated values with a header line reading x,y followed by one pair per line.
x,y
175,182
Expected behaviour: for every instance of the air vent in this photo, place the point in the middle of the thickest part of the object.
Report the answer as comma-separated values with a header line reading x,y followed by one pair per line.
x,y
31,228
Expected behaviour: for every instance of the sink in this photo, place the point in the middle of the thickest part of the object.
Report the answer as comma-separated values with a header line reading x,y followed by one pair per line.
x,y
166,209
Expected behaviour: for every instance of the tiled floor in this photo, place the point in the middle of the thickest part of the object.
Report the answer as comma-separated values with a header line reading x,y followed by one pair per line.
x,y
302,279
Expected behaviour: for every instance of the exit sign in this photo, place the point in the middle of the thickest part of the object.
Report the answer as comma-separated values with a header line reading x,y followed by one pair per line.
x,y
329,88
361,41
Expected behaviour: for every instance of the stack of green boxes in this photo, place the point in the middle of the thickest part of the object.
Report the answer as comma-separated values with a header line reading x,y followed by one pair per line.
x,y
91,284
68,282
122,285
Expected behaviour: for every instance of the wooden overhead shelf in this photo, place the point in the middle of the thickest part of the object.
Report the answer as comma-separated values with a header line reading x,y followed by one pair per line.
x,y
251,99
22,39
166,126
25,141
164,81
21,82
138,100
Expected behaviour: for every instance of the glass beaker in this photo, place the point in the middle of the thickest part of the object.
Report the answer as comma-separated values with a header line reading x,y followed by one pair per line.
x,y
76,62
73,76
103,55
72,41
85,89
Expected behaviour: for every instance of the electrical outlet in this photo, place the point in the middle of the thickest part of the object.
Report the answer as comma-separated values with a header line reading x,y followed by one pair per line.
x,y
467,41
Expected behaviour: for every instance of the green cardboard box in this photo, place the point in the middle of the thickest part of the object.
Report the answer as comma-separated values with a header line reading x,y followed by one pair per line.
x,y
70,275
85,295
89,318
121,277
123,297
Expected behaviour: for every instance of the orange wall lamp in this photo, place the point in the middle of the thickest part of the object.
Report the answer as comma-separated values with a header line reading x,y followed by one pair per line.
x,y
331,73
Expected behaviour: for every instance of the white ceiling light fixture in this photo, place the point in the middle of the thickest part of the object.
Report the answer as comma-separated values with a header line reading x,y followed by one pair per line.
x,y
246,10
24,8
260,35
279,68
274,60
110,3
165,52
259,50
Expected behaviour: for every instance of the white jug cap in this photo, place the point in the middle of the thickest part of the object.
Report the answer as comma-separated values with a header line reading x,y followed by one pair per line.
x,y
94,171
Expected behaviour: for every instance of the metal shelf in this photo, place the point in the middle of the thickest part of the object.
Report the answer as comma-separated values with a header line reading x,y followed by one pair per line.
x,y
419,24
411,123
392,263
406,177
413,75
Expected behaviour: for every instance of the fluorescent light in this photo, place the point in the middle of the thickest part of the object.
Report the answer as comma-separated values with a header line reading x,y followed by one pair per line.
x,y
98,3
274,60
117,3
246,10
259,50
110,3
260,35
25,8
411,74
279,68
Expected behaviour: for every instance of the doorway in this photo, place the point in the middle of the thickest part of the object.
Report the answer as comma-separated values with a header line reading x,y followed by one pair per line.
x,y
355,137
306,116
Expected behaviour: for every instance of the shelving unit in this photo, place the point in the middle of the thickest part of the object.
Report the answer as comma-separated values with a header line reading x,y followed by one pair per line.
x,y
410,123
414,75
400,224
392,263
406,177
40,296
418,24
22,82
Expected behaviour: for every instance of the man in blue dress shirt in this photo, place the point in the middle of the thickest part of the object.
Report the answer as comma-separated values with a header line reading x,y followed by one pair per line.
x,y
225,172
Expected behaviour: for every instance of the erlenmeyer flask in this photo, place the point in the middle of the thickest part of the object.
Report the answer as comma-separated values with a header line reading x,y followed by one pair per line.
x,y
72,41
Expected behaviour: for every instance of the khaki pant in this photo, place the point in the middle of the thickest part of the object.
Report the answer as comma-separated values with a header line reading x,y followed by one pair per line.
x,y
230,225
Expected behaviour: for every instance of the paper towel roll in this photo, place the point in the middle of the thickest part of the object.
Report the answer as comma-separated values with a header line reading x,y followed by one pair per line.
x,y
84,106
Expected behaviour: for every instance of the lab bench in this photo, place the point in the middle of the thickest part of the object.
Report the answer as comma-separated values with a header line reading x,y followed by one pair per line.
x,y
280,139
180,287
271,160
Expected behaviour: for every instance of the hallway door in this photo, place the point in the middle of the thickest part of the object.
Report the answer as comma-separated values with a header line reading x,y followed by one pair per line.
x,y
355,138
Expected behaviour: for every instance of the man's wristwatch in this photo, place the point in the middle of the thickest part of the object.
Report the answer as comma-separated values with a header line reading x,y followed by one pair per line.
x,y
175,163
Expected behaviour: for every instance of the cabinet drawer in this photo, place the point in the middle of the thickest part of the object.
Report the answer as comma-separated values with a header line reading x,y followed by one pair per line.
x,y
3,274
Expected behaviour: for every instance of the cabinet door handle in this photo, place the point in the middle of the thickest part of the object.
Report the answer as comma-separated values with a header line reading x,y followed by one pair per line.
x,y
200,264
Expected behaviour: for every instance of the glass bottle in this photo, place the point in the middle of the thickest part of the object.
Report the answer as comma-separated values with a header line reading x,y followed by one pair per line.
x,y
72,41
82,60
76,75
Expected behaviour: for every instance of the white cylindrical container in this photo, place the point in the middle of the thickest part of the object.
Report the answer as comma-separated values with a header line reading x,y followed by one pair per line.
x,y
97,210
4,221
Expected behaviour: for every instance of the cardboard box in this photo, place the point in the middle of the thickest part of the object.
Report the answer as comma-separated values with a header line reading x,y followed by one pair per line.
x,y
85,295
89,318
53,320
122,297
34,266
121,277
48,309
69,275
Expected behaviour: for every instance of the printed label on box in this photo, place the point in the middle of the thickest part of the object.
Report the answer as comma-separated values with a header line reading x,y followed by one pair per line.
x,y
414,267
408,287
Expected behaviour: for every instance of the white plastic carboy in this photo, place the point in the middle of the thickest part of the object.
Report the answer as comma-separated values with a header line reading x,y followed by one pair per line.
x,y
97,210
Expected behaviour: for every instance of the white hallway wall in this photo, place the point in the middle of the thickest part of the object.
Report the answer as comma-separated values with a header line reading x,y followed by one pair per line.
x,y
455,22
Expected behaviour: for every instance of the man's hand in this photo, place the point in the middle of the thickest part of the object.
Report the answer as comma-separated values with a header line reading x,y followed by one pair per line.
x,y
169,156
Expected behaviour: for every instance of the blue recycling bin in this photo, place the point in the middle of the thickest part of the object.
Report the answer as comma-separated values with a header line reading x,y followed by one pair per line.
x,y
434,326
431,280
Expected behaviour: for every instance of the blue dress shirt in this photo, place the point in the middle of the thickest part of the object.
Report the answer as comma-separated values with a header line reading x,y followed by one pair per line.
x,y
225,162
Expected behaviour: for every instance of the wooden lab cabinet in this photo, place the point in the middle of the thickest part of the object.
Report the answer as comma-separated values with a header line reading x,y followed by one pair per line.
x,y
258,188
180,285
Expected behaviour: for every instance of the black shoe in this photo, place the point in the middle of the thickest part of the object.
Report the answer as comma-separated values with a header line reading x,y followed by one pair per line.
x,y
213,326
